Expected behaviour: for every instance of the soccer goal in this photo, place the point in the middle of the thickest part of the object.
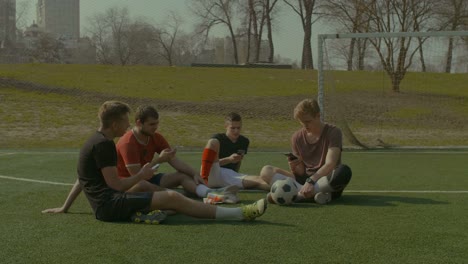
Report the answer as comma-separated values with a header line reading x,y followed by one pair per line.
x,y
406,89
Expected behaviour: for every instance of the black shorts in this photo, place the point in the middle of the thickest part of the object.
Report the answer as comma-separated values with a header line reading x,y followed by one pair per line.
x,y
123,205
156,179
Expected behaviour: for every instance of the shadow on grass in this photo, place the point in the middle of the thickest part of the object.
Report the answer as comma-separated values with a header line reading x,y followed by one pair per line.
x,y
382,200
188,221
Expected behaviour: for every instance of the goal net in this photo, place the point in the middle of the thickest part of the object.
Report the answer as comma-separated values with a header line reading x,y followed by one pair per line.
x,y
396,89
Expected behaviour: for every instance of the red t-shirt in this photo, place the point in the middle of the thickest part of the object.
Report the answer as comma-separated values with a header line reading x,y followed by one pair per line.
x,y
314,155
131,151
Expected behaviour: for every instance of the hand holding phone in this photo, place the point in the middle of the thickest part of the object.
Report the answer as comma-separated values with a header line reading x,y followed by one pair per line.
x,y
241,152
290,156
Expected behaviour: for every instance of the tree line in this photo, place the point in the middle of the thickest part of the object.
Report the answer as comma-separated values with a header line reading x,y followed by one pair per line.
x,y
121,39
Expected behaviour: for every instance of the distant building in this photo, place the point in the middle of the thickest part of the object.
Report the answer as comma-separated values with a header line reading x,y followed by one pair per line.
x,y
61,18
7,23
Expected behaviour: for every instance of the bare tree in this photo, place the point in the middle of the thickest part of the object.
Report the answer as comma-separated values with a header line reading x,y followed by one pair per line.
x,y
261,15
215,12
396,54
167,37
305,10
47,49
119,39
422,11
269,6
351,16
118,20
452,15
102,38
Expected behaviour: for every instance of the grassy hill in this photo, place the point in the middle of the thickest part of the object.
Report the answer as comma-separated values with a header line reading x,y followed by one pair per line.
x,y
55,106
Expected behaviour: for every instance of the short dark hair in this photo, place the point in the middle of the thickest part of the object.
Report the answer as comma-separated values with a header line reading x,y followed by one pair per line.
x,y
144,112
111,111
233,117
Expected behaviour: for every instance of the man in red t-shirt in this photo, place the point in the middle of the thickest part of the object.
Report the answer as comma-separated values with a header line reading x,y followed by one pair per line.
x,y
315,163
139,146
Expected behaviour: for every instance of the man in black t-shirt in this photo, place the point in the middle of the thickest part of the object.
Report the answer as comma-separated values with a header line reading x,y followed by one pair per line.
x,y
222,157
107,193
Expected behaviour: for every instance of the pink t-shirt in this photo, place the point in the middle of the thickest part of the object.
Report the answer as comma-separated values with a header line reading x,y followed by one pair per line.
x,y
314,154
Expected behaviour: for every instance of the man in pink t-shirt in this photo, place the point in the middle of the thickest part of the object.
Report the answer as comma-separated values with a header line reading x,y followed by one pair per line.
x,y
315,161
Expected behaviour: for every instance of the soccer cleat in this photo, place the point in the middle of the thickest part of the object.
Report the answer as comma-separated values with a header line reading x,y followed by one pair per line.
x,y
254,210
322,197
213,198
154,217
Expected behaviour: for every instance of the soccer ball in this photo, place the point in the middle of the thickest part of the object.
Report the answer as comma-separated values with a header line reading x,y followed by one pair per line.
x,y
284,192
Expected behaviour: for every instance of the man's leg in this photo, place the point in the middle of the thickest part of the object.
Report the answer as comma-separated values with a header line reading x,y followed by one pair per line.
x,y
209,156
269,174
145,186
171,200
175,179
254,182
335,182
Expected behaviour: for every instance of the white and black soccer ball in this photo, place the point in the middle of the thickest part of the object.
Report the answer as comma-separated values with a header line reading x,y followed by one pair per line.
x,y
284,192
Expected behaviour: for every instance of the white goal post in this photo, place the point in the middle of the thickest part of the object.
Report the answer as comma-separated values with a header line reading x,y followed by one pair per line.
x,y
323,37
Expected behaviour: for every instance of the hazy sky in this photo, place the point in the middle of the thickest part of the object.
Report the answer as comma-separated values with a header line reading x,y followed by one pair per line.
x,y
287,34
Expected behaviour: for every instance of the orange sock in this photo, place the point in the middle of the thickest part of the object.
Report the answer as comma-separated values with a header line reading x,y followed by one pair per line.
x,y
208,158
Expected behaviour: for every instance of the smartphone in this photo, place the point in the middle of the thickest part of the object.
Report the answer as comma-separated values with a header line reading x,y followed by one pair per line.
x,y
156,166
290,156
241,152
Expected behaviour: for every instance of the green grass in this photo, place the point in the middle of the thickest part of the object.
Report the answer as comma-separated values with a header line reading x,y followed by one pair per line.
x,y
198,84
431,109
362,227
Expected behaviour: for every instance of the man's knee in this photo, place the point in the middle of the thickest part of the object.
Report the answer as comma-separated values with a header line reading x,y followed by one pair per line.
x,y
213,144
340,177
267,173
336,181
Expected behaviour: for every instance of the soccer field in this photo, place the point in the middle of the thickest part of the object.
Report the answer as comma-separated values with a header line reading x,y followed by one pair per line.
x,y
400,207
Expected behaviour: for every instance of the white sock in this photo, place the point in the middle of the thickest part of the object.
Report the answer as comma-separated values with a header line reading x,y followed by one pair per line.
x,y
229,213
202,190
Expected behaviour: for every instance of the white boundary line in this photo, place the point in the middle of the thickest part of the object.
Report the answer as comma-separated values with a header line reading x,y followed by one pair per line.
x,y
346,191
36,181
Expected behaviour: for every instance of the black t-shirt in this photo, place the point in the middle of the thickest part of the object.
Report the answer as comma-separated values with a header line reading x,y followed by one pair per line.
x,y
97,153
227,148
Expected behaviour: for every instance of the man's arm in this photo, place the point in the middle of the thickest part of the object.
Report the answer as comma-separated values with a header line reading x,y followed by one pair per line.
x,y
234,158
72,195
296,166
331,161
123,184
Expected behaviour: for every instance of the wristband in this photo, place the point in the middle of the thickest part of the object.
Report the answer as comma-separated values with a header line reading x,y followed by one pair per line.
x,y
310,180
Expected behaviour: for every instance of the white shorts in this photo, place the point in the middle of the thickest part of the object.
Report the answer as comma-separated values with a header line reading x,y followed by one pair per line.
x,y
222,177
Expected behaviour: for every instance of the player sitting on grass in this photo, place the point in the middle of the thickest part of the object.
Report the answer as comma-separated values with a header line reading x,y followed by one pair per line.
x,y
315,163
106,191
222,157
137,147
